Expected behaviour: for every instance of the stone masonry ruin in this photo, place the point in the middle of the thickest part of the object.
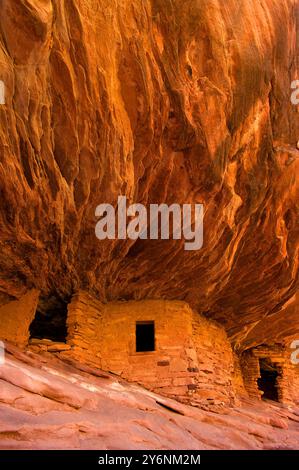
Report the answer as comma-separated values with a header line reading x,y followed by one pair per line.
x,y
163,345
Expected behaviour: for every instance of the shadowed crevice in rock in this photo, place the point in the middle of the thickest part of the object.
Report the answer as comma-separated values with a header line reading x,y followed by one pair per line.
x,y
50,321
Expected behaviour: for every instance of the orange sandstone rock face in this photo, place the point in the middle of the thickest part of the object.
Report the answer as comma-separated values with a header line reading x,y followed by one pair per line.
x,y
161,101
16,317
47,403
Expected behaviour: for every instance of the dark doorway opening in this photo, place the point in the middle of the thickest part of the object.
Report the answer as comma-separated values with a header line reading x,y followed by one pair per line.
x,y
145,336
50,320
267,382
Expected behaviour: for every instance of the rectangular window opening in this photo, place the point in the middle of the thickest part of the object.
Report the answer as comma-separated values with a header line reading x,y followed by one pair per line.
x,y
145,336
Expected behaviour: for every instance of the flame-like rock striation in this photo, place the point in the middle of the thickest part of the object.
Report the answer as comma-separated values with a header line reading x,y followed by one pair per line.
x,y
162,101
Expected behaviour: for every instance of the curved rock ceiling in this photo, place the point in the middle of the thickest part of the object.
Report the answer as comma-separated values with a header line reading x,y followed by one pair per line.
x,y
161,101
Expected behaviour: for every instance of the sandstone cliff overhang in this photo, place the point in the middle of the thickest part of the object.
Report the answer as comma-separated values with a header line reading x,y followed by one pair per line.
x,y
161,101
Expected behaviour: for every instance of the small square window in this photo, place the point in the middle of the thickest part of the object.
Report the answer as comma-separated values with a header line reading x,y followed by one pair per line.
x,y
145,336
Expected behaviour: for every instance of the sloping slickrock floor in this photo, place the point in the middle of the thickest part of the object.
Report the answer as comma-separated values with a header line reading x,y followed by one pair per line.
x,y
47,403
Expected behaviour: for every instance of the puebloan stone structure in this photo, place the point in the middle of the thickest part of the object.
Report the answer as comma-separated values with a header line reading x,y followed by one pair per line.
x,y
179,351
269,372
162,345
